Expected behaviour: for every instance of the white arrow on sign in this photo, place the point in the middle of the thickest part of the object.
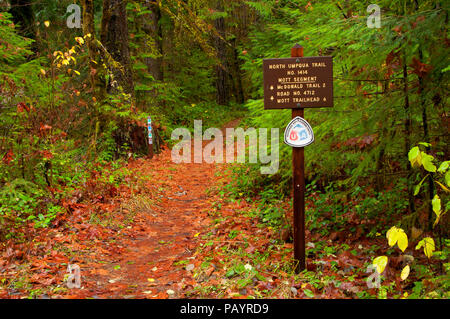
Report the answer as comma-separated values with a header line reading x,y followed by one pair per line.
x,y
298,133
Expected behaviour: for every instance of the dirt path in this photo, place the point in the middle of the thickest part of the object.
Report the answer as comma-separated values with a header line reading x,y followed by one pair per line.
x,y
149,258
163,234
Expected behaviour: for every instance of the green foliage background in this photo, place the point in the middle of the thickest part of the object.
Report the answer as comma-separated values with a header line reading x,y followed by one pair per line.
x,y
369,101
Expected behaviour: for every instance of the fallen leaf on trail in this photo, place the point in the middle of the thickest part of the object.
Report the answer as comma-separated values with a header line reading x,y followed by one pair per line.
x,y
190,267
250,249
100,272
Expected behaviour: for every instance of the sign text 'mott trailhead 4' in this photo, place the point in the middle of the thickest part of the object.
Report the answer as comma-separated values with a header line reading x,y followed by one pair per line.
x,y
296,83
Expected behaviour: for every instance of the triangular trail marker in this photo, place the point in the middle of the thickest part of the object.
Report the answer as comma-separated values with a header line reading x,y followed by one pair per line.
x,y
298,133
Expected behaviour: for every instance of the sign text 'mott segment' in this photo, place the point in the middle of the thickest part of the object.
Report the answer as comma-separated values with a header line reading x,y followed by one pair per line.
x,y
298,82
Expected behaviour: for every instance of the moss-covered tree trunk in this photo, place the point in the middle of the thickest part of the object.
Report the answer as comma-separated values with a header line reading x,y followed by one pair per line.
x,y
96,87
114,36
89,32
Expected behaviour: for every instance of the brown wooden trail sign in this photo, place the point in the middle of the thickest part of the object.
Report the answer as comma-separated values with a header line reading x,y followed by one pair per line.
x,y
296,83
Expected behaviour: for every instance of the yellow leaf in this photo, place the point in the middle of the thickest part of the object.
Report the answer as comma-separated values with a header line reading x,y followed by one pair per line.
x,y
437,220
397,236
80,40
151,280
402,240
415,157
196,235
443,187
436,203
392,236
428,246
405,272
47,23
380,263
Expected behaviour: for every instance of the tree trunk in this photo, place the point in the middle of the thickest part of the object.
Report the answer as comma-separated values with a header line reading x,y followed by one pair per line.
x,y
407,135
114,36
222,87
237,75
96,87
89,28
153,28
426,137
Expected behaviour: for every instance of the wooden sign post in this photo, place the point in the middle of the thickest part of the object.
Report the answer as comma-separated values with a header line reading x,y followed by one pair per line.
x,y
296,83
